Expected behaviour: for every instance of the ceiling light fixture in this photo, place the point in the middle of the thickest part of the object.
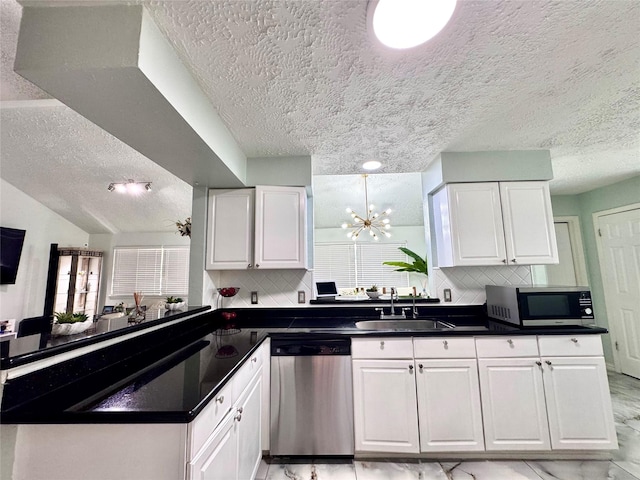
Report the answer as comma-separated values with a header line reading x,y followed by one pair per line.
x,y
373,222
371,165
408,23
131,187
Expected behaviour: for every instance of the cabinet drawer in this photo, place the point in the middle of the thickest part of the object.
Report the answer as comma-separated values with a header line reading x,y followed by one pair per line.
x,y
444,347
575,345
246,372
382,347
205,423
516,346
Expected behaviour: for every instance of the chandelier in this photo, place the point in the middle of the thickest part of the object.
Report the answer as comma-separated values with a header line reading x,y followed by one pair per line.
x,y
376,223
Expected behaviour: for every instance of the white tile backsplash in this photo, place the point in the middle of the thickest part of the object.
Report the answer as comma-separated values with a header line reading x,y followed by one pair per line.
x,y
467,283
276,288
279,288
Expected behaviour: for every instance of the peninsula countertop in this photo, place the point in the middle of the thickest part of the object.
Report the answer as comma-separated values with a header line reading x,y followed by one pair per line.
x,y
174,386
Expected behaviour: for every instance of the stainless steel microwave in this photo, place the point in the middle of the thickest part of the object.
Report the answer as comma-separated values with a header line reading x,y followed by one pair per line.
x,y
529,306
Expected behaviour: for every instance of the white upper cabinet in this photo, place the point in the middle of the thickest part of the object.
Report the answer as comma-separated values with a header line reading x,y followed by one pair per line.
x,y
230,229
281,240
492,223
263,227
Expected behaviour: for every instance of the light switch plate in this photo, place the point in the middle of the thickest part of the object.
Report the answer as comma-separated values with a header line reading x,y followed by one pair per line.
x,y
254,298
301,296
447,294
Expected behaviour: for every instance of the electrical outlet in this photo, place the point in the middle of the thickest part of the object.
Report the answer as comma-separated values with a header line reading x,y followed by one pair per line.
x,y
254,298
447,294
301,296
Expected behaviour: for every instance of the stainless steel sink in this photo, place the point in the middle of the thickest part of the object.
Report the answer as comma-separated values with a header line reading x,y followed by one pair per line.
x,y
403,325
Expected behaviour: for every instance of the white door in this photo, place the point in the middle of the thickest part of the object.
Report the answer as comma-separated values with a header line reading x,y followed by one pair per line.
x,y
280,227
385,407
578,403
619,242
249,429
219,459
230,229
477,232
528,223
449,412
513,404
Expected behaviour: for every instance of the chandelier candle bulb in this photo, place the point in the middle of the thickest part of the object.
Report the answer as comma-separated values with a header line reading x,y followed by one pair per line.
x,y
373,223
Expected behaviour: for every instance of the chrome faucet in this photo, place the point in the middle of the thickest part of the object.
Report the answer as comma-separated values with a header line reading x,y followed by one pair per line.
x,y
392,313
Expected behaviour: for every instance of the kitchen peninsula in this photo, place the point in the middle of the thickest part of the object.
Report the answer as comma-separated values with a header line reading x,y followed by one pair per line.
x,y
192,396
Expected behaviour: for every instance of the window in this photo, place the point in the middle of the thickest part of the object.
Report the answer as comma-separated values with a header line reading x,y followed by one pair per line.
x,y
156,271
354,265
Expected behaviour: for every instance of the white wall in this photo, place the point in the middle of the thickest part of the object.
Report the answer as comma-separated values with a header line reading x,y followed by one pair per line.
x,y
107,242
44,227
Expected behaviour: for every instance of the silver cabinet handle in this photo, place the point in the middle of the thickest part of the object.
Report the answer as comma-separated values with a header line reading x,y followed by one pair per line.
x,y
514,260
539,363
411,368
547,362
445,343
510,342
238,417
504,260
249,266
220,399
257,265
240,410
382,344
421,367
254,359
574,340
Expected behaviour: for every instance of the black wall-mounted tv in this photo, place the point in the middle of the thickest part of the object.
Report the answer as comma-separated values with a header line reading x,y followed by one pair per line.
x,y
11,241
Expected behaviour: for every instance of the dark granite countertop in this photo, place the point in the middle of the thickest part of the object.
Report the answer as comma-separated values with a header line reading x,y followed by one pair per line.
x,y
173,387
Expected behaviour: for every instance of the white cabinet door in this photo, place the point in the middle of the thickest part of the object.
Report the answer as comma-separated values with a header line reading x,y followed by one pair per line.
x,y
249,416
492,223
578,403
528,222
230,229
219,460
473,231
449,412
513,404
385,412
280,226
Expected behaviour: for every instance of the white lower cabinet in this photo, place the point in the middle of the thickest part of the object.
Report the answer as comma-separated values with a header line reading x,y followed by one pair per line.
x,y
578,403
559,402
219,459
234,449
449,412
513,404
384,397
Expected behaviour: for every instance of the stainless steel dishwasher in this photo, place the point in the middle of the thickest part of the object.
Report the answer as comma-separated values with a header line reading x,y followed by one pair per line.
x,y
311,396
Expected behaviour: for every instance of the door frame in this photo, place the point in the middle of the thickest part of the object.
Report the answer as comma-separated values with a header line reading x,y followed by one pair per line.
x,y
613,327
577,249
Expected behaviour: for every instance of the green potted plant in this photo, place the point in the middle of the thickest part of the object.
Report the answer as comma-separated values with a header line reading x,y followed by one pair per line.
x,y
174,303
372,292
67,323
418,266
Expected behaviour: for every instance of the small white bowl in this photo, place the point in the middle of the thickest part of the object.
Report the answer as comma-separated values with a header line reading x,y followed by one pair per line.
x,y
372,294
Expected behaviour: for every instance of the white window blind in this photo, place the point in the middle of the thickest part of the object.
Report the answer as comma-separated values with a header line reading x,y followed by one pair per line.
x,y
151,270
354,265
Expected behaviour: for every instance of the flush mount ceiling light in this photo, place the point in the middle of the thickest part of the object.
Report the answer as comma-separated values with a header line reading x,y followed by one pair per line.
x,y
371,165
373,222
131,187
408,23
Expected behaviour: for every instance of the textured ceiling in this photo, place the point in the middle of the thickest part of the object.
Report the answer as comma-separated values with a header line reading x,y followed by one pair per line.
x,y
304,77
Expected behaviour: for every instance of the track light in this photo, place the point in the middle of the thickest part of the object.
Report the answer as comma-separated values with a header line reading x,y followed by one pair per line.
x,y
131,187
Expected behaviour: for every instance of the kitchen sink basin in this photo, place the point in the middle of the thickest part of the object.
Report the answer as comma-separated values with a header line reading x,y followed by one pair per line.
x,y
403,325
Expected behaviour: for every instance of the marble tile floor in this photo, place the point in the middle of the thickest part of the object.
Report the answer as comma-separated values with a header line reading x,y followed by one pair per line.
x,y
625,464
